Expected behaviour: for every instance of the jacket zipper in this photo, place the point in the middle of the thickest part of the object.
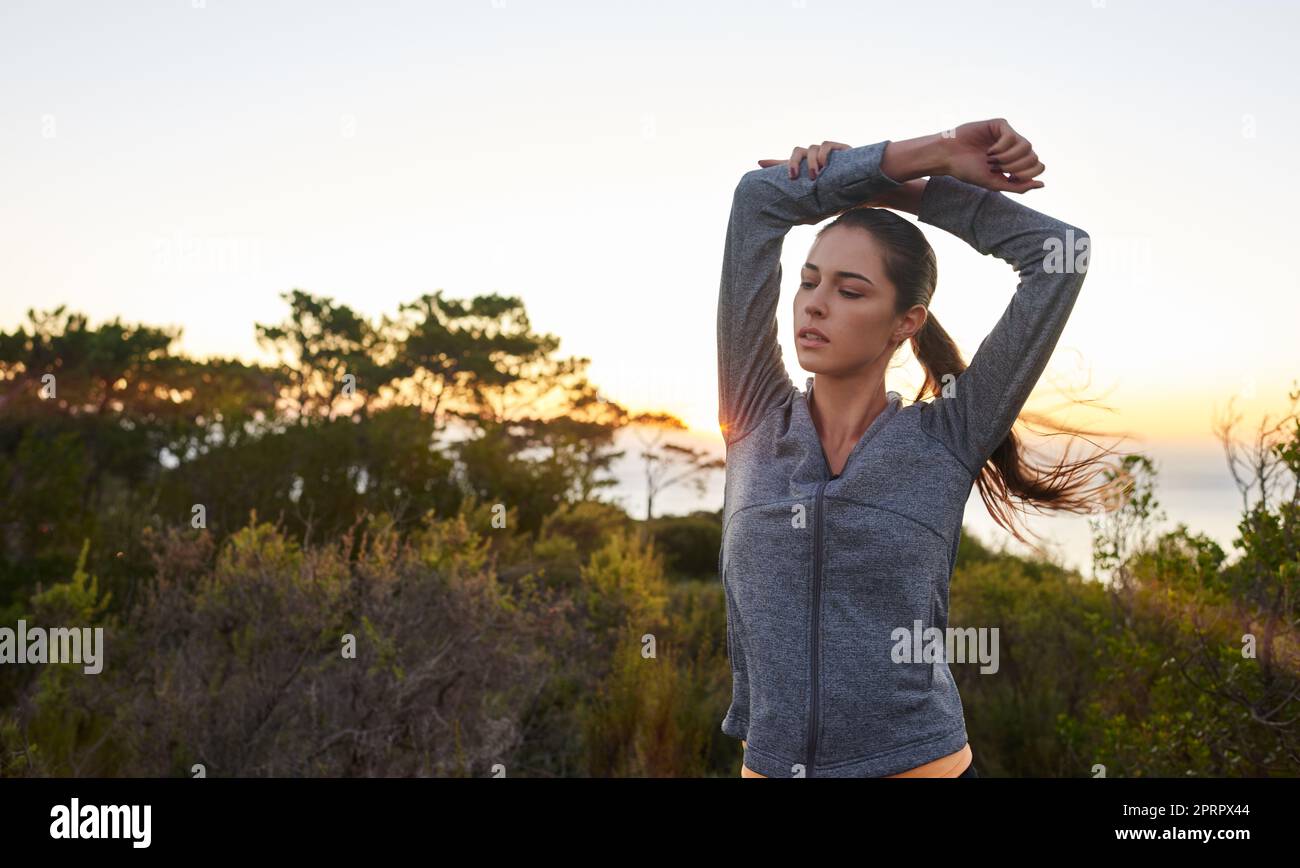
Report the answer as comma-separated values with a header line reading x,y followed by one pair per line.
x,y
816,629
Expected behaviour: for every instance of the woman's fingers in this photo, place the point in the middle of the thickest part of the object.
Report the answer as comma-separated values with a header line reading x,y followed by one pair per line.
x,y
1012,163
796,156
824,153
1006,147
1006,138
1028,165
792,162
817,156
1015,184
792,165
814,160
1017,151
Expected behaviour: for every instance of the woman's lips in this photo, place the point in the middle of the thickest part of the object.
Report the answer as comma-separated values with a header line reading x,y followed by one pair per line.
x,y
811,341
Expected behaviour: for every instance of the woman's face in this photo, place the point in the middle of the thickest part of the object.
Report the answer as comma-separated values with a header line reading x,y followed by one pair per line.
x,y
844,294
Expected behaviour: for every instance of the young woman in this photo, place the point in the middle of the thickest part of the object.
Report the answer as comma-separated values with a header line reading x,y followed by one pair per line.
x,y
843,506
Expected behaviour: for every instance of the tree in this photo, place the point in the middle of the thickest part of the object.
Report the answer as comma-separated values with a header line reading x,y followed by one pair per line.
x,y
663,460
1127,525
89,416
324,342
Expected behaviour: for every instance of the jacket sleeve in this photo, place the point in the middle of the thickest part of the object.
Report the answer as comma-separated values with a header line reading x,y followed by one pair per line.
x,y
979,407
752,378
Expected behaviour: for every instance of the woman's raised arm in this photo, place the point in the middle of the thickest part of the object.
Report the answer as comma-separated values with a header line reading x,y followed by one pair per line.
x,y
979,407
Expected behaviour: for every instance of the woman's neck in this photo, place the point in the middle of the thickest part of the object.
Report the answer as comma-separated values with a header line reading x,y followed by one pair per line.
x,y
843,409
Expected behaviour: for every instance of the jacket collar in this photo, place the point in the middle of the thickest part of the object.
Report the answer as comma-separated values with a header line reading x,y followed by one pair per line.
x,y
890,395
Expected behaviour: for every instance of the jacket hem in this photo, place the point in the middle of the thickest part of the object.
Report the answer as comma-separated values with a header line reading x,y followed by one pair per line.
x,y
737,728
890,762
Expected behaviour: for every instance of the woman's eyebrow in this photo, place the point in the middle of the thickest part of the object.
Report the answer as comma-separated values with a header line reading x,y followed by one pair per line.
x,y
810,267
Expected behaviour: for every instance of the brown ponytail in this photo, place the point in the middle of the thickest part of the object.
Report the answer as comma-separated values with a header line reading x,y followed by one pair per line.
x,y
1009,482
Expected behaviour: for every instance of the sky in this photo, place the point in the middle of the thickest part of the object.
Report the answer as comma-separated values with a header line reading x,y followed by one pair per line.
x,y
186,162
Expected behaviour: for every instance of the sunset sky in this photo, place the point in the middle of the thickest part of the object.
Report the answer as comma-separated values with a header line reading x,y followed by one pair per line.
x,y
186,162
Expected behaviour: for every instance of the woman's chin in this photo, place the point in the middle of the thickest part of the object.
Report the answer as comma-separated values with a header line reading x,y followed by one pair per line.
x,y
811,362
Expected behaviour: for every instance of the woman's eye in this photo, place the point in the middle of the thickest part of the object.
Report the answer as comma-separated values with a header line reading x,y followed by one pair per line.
x,y
844,292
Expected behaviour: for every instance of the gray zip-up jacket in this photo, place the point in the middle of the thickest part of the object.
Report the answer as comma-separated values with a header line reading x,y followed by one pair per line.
x,y
819,571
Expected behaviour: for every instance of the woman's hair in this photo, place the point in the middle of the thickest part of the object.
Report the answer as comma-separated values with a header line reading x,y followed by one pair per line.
x,y
1009,482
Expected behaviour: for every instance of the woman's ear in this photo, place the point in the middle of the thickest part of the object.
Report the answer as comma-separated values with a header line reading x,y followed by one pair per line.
x,y
919,315
913,321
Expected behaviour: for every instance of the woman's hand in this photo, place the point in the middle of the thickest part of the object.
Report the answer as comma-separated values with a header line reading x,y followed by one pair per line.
x,y
816,154
982,151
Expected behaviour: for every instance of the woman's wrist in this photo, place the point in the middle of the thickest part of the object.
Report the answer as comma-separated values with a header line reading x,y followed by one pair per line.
x,y
915,158
905,197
